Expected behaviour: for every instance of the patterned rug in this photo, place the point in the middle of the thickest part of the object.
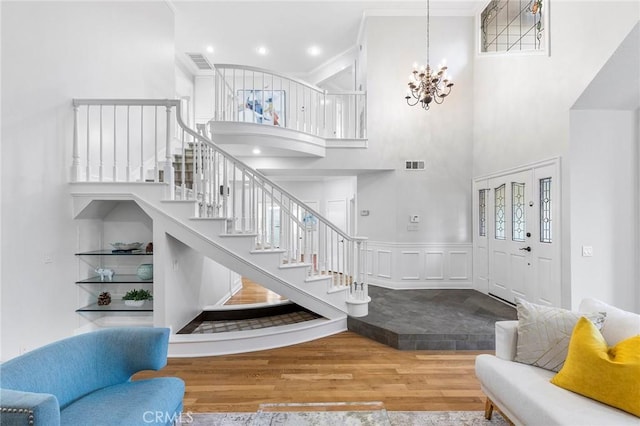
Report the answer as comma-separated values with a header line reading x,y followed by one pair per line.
x,y
396,418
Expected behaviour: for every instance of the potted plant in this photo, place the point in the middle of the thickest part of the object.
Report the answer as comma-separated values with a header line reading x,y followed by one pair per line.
x,y
137,297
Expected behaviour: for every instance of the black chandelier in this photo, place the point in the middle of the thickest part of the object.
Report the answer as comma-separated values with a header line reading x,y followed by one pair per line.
x,y
427,85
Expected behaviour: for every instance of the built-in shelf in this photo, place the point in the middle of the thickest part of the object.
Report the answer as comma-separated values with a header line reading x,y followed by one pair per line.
x,y
114,253
117,306
117,279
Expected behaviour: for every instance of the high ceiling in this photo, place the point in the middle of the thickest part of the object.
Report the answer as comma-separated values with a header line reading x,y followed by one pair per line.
x,y
287,29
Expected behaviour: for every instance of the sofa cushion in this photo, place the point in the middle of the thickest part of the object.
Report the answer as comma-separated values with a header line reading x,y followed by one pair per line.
x,y
619,325
527,397
140,402
606,374
544,333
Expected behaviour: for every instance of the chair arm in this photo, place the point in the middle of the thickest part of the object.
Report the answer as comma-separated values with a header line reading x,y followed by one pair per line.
x,y
506,339
28,408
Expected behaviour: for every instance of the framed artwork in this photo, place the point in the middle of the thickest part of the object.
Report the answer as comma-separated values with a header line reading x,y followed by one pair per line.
x,y
262,106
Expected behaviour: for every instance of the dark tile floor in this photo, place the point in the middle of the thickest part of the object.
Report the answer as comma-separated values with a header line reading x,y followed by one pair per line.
x,y
432,319
222,326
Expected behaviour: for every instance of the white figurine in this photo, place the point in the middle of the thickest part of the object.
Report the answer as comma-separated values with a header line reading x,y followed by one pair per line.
x,y
105,273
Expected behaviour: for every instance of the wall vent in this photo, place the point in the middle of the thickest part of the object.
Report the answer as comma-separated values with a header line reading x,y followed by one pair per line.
x,y
200,61
414,165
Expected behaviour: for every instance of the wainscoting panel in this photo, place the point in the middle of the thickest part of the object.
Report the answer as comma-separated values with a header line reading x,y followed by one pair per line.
x,y
383,264
410,265
459,265
434,265
420,265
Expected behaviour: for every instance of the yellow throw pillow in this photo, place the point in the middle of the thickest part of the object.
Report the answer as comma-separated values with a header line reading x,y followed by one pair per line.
x,y
610,375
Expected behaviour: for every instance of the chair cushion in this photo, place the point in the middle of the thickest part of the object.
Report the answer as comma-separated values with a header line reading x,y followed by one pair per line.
x,y
140,402
606,374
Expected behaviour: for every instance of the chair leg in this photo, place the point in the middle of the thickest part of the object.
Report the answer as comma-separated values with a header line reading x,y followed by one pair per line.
x,y
488,409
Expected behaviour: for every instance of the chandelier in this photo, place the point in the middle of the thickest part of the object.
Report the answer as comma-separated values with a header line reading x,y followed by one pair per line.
x,y
427,85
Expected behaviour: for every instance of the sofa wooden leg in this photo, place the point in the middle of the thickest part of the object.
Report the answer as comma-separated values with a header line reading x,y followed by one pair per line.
x,y
488,409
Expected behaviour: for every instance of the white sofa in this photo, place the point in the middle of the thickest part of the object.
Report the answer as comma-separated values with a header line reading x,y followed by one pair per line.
x,y
524,393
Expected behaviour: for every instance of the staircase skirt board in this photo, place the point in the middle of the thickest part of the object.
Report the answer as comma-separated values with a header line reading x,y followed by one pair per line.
x,y
195,345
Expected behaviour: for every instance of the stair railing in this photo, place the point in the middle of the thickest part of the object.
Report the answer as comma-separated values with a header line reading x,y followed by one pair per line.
x,y
254,95
138,141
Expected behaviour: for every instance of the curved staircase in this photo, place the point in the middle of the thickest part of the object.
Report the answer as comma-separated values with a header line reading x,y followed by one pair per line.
x,y
222,208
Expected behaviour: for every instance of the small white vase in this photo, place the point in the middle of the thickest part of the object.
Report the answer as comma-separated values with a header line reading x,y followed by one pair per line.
x,y
136,303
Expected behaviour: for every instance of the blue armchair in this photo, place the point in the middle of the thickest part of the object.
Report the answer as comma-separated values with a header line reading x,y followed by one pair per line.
x,y
86,380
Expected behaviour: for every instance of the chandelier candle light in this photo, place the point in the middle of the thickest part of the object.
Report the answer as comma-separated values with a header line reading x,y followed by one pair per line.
x,y
427,85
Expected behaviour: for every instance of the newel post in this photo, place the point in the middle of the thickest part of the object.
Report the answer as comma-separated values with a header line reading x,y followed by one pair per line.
x,y
169,174
358,298
75,164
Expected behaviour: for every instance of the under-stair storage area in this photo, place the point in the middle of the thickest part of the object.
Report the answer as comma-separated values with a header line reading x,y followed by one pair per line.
x,y
115,259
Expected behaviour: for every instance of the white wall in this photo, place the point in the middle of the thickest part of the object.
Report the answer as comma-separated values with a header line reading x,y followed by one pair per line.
x,y
192,281
442,137
324,191
51,53
604,194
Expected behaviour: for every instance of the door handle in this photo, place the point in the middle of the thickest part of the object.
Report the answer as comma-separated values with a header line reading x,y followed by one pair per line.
x,y
526,248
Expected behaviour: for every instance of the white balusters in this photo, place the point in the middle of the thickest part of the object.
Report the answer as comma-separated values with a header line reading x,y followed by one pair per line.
x,y
75,164
244,94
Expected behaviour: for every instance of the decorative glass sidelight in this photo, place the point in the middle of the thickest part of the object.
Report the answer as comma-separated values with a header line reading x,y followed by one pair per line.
x,y
518,218
482,212
500,212
545,210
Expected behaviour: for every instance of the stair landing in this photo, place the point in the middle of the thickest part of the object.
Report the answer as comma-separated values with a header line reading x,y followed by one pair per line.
x,y
432,319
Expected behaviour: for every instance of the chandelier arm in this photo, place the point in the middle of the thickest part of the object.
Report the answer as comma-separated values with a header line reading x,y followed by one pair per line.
x,y
409,103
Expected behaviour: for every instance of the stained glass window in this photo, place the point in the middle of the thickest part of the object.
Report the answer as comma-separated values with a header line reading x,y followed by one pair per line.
x,y
513,26
545,210
500,212
482,210
517,211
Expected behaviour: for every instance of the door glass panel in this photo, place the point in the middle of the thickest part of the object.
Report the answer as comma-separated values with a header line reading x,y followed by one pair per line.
x,y
482,210
517,211
500,214
545,210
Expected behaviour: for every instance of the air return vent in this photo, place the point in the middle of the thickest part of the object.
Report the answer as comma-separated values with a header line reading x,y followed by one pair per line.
x,y
414,165
200,61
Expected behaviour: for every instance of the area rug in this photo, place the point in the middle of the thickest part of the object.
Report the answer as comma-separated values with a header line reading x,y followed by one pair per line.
x,y
396,418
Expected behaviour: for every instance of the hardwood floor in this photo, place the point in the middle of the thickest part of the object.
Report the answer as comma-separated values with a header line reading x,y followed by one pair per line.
x,y
343,367
252,292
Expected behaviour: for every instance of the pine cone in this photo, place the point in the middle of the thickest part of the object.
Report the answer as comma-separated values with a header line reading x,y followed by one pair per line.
x,y
104,298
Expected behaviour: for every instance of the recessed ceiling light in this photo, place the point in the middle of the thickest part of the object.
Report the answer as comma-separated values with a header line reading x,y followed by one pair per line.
x,y
314,51
210,49
256,151
262,50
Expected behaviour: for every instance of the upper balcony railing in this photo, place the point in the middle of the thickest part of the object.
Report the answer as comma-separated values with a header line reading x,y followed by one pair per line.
x,y
254,95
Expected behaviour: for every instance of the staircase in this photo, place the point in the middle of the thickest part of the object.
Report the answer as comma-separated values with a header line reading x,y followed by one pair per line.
x,y
217,205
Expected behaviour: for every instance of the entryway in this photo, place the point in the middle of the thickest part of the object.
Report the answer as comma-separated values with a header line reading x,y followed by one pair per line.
x,y
516,243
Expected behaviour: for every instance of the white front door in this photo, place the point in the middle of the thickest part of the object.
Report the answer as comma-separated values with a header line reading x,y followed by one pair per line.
x,y
510,249
516,235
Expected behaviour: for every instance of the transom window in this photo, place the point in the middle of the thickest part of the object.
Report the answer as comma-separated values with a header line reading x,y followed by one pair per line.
x,y
513,26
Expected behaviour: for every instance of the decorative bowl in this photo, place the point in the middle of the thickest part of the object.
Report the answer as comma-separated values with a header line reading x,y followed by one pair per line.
x,y
126,246
135,303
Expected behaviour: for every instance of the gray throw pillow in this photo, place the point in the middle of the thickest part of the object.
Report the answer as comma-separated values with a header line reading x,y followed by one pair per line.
x,y
544,333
